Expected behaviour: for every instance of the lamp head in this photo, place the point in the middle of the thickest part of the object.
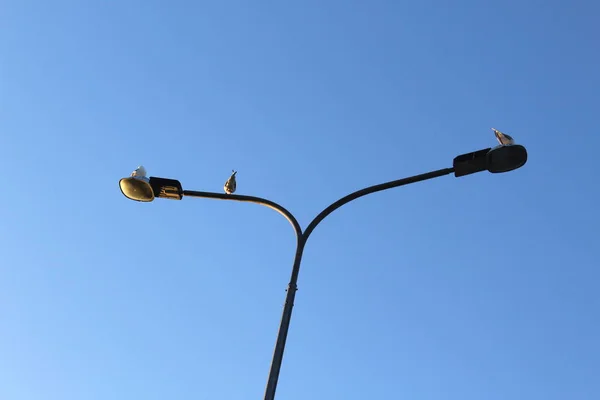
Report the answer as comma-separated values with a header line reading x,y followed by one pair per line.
x,y
506,158
137,186
503,158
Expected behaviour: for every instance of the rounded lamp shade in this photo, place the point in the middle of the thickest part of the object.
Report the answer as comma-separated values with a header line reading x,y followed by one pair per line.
x,y
506,158
137,189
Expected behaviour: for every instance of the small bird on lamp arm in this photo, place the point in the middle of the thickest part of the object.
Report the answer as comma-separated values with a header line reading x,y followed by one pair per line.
x,y
503,138
231,184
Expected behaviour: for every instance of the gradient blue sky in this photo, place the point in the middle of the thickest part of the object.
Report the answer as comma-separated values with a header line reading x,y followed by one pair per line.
x,y
483,287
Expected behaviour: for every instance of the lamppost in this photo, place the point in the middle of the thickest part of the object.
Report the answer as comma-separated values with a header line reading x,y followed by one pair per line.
x,y
502,158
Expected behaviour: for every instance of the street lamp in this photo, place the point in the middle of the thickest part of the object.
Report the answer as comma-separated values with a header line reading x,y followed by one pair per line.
x,y
502,158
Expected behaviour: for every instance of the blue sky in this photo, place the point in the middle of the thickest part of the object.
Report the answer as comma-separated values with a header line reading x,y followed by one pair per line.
x,y
479,287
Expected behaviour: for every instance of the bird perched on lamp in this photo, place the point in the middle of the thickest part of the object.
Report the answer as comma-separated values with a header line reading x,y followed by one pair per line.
x,y
231,184
503,138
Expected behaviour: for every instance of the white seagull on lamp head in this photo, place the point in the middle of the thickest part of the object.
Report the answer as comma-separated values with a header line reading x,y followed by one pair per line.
x,y
503,138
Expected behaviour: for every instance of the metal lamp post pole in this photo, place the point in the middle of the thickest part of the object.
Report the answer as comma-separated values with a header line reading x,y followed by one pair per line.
x,y
499,159
292,286
302,238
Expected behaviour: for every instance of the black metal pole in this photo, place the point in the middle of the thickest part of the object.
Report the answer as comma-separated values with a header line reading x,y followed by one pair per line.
x,y
302,238
284,326
293,285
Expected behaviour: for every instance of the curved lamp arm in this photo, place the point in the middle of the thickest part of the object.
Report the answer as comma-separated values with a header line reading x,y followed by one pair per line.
x,y
369,190
138,187
250,199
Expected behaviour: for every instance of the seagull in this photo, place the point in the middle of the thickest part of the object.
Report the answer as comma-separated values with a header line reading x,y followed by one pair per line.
x,y
230,185
503,138
139,172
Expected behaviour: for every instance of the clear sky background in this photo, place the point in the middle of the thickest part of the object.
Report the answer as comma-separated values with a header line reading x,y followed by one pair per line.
x,y
482,287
